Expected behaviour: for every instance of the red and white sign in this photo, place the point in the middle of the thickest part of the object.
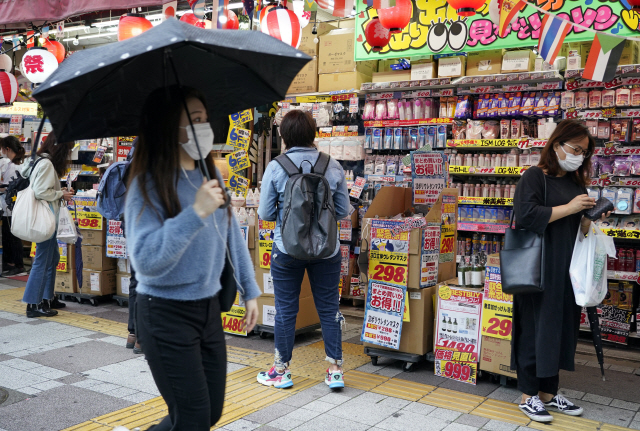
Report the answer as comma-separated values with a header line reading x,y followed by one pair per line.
x,y
38,64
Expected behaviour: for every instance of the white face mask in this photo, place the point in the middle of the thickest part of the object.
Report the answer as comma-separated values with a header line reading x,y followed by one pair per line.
x,y
205,140
571,162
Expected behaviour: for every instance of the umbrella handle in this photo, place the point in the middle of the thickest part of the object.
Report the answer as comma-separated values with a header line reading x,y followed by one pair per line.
x,y
202,164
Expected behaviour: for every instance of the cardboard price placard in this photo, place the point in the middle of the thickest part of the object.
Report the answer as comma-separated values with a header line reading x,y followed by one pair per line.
x,y
464,372
356,189
383,314
428,177
239,184
265,242
233,321
389,254
88,219
238,161
240,118
116,242
497,319
615,323
346,228
62,249
429,255
458,321
239,138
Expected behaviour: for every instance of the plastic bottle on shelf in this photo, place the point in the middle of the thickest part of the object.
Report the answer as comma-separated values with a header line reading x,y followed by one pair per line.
x,y
250,201
476,272
465,190
478,191
256,196
251,218
476,160
485,190
468,159
481,160
462,271
534,158
524,158
458,158
513,191
492,191
512,158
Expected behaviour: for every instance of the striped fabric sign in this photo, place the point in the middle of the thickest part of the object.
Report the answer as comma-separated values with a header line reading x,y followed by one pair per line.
x,y
603,58
339,8
552,36
508,10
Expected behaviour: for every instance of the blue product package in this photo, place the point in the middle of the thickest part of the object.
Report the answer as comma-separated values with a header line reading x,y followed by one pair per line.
x,y
397,138
500,216
492,216
368,138
507,215
441,139
431,136
405,139
377,139
482,214
388,138
414,139
422,136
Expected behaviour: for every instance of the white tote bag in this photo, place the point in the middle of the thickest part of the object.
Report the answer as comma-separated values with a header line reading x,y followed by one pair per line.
x,y
32,218
67,231
588,269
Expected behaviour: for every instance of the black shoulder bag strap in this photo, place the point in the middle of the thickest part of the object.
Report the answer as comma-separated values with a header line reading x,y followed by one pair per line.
x,y
322,163
544,180
289,167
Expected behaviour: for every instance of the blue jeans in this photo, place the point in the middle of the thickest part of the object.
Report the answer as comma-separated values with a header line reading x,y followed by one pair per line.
x,y
42,277
324,276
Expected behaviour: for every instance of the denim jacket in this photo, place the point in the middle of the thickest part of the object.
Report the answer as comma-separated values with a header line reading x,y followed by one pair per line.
x,y
274,182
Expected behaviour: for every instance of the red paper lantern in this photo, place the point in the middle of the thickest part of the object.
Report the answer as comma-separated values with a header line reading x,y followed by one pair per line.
x,y
8,88
190,18
132,25
377,36
466,7
396,18
283,24
55,48
265,11
232,21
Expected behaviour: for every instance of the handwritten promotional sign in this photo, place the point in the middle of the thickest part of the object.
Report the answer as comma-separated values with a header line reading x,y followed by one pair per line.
x,y
358,186
239,184
239,138
383,314
238,161
265,242
429,255
346,229
116,242
241,118
427,170
435,28
389,254
233,320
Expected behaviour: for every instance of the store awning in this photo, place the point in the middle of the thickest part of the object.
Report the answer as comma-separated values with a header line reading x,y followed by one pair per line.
x,y
23,13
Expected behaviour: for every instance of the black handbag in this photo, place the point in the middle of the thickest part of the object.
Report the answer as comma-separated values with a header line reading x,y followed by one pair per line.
x,y
229,288
522,259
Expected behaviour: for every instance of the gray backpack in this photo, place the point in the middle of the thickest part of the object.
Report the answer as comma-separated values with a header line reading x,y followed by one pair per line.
x,y
309,227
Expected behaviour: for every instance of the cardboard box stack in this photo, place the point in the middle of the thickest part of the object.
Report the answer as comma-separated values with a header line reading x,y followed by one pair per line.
x,y
66,280
518,61
452,67
307,80
487,62
123,277
99,273
336,65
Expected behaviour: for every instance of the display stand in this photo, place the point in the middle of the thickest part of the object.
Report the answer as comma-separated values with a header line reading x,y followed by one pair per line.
x,y
84,297
409,359
121,300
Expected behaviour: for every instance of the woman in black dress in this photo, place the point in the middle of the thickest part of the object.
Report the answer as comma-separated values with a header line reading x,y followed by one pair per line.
x,y
546,324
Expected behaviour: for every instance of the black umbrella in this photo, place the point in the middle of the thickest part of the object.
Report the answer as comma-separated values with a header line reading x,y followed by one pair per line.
x,y
594,323
99,92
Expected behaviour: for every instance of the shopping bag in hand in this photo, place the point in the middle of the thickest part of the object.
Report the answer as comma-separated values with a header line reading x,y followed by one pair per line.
x,y
67,231
588,269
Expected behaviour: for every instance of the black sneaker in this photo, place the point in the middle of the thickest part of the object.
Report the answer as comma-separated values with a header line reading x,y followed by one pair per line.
x,y
534,408
39,310
55,303
563,405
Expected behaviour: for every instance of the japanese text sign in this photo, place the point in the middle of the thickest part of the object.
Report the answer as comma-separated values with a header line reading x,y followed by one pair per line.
x,y
241,117
388,254
233,321
239,138
383,314
116,242
239,184
429,254
428,177
265,242
238,161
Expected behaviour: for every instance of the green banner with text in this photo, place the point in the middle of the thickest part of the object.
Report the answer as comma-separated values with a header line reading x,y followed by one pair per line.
x,y
436,28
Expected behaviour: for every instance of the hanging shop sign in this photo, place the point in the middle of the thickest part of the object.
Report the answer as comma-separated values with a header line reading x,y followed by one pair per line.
x,y
435,28
389,254
429,255
116,243
383,314
233,321
123,147
265,242
239,184
346,229
428,177
239,138
238,161
20,108
241,118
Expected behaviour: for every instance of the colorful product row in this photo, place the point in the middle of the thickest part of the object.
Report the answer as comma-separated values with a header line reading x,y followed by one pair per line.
x,y
514,158
533,103
484,214
620,295
620,130
503,129
485,190
595,99
625,201
405,138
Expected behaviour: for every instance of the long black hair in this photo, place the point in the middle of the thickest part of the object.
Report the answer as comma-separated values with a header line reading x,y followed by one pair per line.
x,y
12,143
58,153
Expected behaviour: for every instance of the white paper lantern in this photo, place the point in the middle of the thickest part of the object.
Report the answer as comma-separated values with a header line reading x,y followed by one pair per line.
x,y
37,64
5,62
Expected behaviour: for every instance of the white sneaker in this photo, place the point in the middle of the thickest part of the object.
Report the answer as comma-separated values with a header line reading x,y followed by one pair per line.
x,y
534,408
563,405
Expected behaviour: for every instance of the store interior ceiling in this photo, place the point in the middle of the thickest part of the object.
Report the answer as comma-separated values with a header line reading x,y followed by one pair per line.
x,y
100,28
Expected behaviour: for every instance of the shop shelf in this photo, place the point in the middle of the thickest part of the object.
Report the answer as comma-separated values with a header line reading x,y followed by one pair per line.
x,y
495,144
622,275
465,200
409,86
615,182
482,227
617,151
628,70
333,96
476,171
622,233
387,178
409,123
525,81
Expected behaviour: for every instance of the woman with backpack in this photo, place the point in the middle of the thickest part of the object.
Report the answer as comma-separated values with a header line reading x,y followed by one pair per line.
x,y
12,262
298,131
44,175
178,238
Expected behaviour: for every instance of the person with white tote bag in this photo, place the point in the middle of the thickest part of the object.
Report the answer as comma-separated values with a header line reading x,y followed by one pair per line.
x,y
44,180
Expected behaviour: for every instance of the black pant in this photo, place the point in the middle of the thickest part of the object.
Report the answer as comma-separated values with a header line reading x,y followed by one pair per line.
x,y
11,246
184,345
133,283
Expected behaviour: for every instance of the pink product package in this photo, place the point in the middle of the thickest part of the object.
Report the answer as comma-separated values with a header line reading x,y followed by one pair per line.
x,y
401,103
408,111
491,130
381,110
369,110
474,129
392,109
418,109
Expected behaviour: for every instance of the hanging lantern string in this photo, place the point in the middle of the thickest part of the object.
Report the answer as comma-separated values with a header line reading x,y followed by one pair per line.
x,y
37,32
581,27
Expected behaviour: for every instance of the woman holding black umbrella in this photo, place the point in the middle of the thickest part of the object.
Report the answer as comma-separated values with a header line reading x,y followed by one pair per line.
x,y
177,236
550,200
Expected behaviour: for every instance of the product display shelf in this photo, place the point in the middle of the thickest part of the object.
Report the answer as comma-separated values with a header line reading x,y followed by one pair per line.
x,y
509,82
626,71
387,178
409,123
482,227
617,150
322,97
409,87
622,275
496,144
607,181
631,334
464,200
502,171
622,233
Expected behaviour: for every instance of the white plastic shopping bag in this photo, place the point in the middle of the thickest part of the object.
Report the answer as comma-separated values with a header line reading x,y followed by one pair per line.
x,y
588,269
67,231
32,219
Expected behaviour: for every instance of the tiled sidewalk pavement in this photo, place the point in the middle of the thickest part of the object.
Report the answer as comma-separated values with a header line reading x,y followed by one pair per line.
x,y
61,375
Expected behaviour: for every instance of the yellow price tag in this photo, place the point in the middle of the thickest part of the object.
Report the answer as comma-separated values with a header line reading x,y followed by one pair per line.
x,y
388,266
406,317
264,248
239,138
497,319
503,170
458,169
465,372
241,117
88,219
238,161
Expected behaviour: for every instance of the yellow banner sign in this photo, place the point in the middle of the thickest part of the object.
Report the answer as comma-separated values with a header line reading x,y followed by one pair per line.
x,y
239,138
242,117
239,184
238,161
388,266
497,319
88,220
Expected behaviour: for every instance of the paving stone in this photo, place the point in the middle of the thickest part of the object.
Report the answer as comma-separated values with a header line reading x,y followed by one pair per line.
x,y
459,427
301,414
283,424
625,405
120,392
270,414
139,397
622,369
368,413
334,398
104,387
494,425
326,422
30,391
87,383
48,372
419,408
345,392
16,379
302,398
45,386
445,414
504,393
635,425
71,379
570,393
472,420
319,406
404,420
369,398
637,417
526,429
393,402
6,322
134,374
241,425
389,371
607,414
598,399
231,367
